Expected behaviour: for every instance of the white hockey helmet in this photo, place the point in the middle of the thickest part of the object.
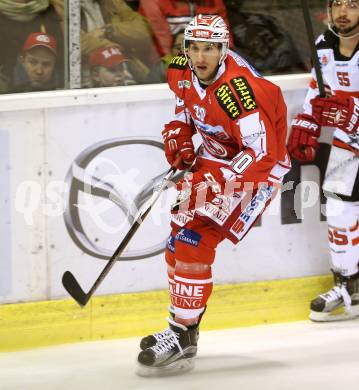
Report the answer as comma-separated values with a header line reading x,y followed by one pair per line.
x,y
331,25
207,28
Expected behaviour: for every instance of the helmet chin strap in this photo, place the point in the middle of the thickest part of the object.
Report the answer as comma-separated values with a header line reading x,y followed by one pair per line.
x,y
344,36
224,53
333,29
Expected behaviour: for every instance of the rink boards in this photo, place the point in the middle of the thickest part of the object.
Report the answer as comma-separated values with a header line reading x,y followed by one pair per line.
x,y
72,163
30,325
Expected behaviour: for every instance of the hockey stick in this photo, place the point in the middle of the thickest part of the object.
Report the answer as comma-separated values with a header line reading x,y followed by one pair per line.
x,y
68,279
313,49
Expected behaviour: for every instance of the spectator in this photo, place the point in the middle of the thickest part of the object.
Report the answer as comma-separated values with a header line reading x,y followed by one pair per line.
x,y
109,68
109,23
260,40
18,19
36,69
158,71
167,17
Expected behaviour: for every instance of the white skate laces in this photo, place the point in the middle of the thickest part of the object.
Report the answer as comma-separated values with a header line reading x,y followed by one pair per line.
x,y
162,335
339,292
167,343
172,355
340,303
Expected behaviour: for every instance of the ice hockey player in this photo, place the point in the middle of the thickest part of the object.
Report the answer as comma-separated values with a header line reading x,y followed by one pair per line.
x,y
338,54
241,119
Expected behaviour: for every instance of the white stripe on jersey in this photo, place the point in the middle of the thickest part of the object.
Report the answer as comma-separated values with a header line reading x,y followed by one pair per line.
x,y
253,134
243,63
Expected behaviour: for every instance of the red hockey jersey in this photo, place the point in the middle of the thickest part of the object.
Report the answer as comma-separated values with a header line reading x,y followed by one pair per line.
x,y
239,116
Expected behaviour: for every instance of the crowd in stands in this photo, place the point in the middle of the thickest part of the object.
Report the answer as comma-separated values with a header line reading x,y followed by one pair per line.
x,y
125,42
23,25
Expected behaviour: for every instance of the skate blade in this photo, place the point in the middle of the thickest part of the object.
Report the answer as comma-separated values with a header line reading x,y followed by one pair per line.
x,y
334,316
176,368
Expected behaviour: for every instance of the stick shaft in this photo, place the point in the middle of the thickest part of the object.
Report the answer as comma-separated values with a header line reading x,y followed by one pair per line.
x,y
71,284
137,223
313,49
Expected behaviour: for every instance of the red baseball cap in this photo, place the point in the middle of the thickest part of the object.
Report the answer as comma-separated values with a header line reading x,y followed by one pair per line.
x,y
107,57
40,39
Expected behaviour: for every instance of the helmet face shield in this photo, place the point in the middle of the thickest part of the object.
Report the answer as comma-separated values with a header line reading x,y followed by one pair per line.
x,y
207,28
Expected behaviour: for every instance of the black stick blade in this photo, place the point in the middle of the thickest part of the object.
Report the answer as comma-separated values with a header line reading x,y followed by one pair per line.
x,y
74,289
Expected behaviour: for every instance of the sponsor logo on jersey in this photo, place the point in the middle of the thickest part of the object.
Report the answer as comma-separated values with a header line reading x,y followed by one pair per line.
x,y
251,212
257,203
179,62
227,101
181,219
220,208
184,84
188,236
212,131
200,112
237,226
171,244
215,213
324,60
179,102
214,147
245,93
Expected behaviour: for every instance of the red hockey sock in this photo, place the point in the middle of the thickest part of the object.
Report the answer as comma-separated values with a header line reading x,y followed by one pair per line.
x,y
189,293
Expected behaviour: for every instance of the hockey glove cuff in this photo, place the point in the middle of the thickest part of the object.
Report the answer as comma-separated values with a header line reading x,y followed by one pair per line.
x,y
303,138
177,138
336,111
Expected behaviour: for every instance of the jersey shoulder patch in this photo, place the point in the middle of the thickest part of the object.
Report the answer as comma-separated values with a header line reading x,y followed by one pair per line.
x,y
244,92
179,62
227,100
179,80
326,41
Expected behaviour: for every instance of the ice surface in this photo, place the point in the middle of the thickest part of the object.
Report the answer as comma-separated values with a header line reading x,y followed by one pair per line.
x,y
293,356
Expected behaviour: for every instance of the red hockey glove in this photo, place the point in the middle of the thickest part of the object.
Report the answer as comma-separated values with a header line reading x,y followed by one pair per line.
x,y
303,138
336,111
199,187
177,138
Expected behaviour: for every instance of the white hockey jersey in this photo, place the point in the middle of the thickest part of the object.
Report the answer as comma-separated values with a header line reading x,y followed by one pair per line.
x,y
340,76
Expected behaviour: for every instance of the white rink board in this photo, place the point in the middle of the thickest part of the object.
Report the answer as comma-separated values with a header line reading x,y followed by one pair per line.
x,y
43,140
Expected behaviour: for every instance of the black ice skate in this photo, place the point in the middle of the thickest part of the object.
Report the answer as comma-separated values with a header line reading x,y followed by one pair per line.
x,y
173,354
344,295
153,339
